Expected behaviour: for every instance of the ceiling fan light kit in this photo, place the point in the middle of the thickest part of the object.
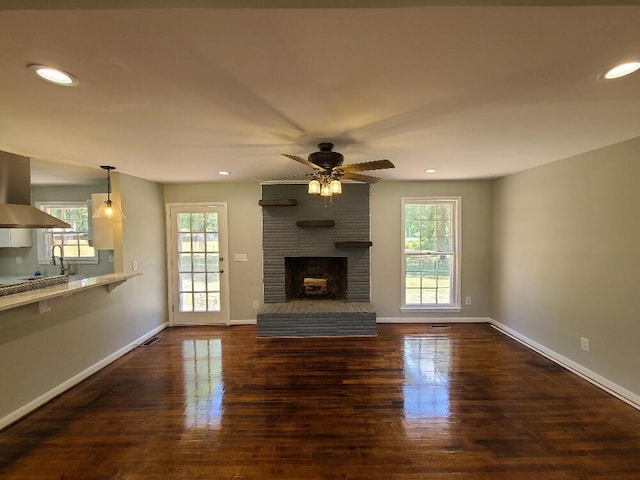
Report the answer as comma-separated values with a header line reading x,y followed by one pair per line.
x,y
314,187
325,181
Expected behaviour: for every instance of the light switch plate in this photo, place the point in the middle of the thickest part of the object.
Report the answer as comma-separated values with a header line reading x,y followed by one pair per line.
x,y
240,257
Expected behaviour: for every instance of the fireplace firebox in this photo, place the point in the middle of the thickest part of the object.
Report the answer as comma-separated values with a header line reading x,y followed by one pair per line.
x,y
315,278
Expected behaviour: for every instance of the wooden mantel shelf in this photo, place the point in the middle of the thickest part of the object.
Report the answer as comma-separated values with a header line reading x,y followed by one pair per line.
x,y
316,223
353,244
284,202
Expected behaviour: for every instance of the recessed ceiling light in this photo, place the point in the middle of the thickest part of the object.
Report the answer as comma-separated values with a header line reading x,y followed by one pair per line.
x,y
54,75
622,70
223,172
430,170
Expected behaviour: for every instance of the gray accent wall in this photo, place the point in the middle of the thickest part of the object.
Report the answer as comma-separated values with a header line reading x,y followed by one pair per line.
x,y
282,237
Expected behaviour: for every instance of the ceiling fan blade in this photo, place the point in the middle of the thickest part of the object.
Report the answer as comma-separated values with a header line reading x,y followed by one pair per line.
x,y
303,161
292,177
361,167
360,178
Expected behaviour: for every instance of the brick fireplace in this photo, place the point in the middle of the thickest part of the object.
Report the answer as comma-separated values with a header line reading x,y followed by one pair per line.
x,y
314,227
316,262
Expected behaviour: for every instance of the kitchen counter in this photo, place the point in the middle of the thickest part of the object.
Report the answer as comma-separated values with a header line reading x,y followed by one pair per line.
x,y
42,296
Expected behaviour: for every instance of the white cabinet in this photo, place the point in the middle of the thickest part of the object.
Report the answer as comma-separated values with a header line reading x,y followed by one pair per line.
x,y
15,237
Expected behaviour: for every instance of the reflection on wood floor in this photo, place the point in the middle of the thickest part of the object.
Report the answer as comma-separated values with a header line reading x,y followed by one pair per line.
x,y
415,402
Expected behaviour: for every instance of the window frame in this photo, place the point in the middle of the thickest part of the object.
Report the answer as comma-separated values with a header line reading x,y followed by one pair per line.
x,y
44,251
455,295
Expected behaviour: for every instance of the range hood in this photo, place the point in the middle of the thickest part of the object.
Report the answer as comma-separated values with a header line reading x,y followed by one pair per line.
x,y
16,210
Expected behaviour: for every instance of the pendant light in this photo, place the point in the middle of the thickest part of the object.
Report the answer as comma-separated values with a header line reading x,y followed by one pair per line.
x,y
109,209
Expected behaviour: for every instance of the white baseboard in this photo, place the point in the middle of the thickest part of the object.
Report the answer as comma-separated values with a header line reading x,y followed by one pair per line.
x,y
76,379
433,320
574,367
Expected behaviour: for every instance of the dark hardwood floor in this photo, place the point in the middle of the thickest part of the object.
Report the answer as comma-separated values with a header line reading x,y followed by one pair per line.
x,y
415,402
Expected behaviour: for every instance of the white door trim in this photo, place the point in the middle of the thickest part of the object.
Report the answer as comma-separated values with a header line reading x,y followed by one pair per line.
x,y
171,251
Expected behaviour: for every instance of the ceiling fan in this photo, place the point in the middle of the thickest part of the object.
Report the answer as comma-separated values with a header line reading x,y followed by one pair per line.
x,y
329,170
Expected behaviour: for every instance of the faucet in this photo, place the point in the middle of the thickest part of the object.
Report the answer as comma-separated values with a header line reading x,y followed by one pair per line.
x,y
63,270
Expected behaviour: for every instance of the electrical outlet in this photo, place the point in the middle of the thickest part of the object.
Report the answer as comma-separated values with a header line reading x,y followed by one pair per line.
x,y
256,304
18,260
110,258
467,300
134,265
585,344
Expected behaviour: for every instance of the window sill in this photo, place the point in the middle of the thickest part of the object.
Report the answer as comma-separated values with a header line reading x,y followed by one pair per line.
x,y
424,308
73,261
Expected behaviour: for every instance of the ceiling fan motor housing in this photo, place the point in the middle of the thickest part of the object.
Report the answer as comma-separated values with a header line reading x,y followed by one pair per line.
x,y
326,158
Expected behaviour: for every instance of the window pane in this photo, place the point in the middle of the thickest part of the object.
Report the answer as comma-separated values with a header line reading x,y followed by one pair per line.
x,y
412,296
197,222
212,242
186,302
184,262
200,302
428,295
213,282
212,222
199,262
184,242
412,280
213,302
199,282
185,282
413,263
429,280
71,251
427,244
184,222
444,295
198,242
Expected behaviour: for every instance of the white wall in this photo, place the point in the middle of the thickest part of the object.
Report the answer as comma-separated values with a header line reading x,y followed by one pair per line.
x,y
567,259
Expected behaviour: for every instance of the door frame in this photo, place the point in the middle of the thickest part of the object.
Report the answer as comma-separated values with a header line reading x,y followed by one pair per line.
x,y
171,251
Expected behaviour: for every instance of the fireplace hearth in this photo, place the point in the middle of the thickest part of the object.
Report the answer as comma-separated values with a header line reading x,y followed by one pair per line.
x,y
315,278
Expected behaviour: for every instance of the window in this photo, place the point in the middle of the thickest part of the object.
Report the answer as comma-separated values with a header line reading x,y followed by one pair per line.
x,y
75,241
430,276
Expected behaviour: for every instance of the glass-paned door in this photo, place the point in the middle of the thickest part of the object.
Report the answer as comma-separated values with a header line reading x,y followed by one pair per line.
x,y
198,265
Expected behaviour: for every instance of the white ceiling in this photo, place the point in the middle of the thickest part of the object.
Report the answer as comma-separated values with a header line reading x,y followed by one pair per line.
x,y
175,95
